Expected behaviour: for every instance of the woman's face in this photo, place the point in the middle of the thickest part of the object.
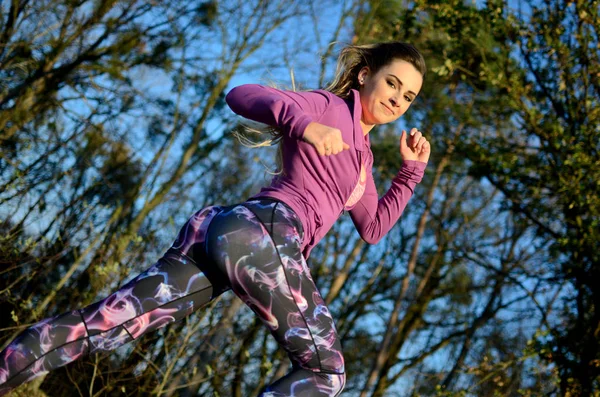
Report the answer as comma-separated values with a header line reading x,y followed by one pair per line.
x,y
387,94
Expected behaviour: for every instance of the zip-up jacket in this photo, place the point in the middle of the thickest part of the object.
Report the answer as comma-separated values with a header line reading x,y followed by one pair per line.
x,y
320,188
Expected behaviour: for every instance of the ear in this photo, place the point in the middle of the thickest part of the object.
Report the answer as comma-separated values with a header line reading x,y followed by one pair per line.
x,y
363,74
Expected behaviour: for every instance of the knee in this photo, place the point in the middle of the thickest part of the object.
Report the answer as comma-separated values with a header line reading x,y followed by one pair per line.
x,y
331,360
333,384
333,371
339,383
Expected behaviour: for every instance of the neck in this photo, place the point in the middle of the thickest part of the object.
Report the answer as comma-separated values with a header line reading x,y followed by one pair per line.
x,y
366,127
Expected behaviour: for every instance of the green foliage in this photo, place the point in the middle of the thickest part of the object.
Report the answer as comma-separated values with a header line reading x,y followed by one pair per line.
x,y
523,88
106,124
548,165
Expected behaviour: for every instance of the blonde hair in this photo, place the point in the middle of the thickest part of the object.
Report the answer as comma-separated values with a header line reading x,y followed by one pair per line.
x,y
351,60
261,129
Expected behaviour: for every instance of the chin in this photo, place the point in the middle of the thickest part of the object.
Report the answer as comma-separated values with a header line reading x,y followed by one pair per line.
x,y
386,120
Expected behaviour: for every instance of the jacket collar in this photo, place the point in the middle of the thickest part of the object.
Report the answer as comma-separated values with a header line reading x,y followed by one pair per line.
x,y
361,142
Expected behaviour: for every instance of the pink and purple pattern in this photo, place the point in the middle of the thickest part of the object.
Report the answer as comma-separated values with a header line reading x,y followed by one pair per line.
x,y
272,278
168,291
254,249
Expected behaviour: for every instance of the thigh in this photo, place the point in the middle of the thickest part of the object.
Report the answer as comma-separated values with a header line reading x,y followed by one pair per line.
x,y
257,247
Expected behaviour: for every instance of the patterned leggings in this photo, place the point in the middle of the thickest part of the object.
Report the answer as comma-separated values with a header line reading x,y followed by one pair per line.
x,y
252,248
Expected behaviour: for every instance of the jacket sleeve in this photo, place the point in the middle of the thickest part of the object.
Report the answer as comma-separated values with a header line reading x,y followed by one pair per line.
x,y
288,110
374,217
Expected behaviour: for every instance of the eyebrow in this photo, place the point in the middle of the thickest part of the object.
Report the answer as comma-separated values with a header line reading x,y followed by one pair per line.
x,y
400,82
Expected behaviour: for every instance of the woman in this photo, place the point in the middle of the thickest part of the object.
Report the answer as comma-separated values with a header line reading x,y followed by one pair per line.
x,y
259,248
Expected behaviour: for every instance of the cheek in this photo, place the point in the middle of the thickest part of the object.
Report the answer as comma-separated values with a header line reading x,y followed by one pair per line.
x,y
384,90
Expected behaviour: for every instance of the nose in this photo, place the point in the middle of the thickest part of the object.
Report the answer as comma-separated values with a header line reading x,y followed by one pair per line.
x,y
396,104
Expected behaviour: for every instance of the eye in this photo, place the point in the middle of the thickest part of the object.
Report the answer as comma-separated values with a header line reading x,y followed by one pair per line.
x,y
391,84
408,99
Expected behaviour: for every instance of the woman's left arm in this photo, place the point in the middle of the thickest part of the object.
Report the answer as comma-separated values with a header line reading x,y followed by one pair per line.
x,y
374,217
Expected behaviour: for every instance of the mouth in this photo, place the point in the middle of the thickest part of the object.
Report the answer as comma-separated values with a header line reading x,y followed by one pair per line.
x,y
388,108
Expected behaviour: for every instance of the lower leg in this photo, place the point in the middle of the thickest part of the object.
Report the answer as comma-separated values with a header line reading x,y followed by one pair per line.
x,y
304,382
171,289
166,292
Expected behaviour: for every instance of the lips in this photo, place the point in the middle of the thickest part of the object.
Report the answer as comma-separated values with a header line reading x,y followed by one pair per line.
x,y
388,108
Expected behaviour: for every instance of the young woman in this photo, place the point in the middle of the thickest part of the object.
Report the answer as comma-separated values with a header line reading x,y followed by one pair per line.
x,y
259,248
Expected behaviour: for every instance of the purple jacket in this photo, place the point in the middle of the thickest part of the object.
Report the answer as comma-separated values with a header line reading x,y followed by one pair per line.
x,y
319,188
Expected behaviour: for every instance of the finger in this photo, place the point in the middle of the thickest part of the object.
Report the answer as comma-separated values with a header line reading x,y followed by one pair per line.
x,y
420,144
403,143
326,147
338,143
330,149
343,145
425,153
409,138
337,147
426,147
415,139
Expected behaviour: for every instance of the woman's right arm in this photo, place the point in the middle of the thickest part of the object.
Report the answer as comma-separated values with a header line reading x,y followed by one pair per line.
x,y
290,111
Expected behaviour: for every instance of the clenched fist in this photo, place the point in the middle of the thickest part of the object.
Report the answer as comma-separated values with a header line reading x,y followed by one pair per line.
x,y
326,140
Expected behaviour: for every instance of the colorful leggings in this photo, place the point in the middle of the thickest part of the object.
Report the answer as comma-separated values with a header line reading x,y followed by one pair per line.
x,y
252,248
